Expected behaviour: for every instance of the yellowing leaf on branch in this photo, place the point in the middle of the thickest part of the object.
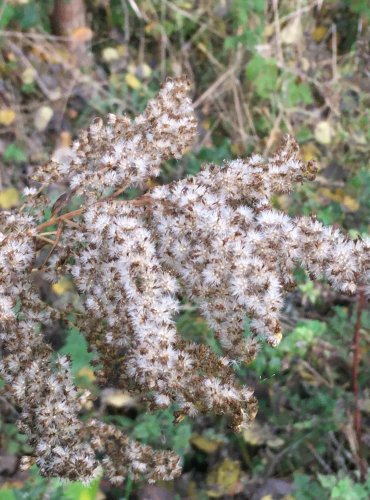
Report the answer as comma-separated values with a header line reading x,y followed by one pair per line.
x,y
324,132
338,195
132,81
110,54
62,286
224,480
118,399
292,32
318,33
86,372
205,444
350,203
145,70
9,198
151,27
309,151
28,75
42,117
258,435
7,116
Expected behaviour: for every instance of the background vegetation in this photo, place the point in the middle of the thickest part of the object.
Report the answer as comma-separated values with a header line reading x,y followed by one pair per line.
x,y
259,69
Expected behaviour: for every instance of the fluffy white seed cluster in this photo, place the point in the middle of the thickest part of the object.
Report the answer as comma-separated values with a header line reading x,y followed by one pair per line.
x,y
235,255
213,239
120,153
41,389
127,290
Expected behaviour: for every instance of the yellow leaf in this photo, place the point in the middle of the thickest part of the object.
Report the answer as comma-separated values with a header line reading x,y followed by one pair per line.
x,y
309,151
350,203
324,132
151,183
82,34
28,75
118,399
255,434
62,286
122,50
86,372
267,497
223,480
304,63
110,54
318,33
292,32
336,195
204,444
65,139
268,31
186,5
206,124
42,117
151,27
360,138
275,442
237,148
258,435
178,417
7,116
9,198
132,81
145,70
307,375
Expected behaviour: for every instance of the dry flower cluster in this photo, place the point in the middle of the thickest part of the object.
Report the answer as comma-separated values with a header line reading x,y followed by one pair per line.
x,y
213,239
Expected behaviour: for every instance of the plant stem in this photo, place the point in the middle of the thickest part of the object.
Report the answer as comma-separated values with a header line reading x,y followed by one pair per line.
x,y
138,202
355,383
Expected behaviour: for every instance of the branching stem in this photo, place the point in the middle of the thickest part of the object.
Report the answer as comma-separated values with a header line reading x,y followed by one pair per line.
x,y
355,383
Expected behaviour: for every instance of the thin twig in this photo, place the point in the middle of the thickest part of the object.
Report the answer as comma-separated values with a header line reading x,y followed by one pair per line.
x,y
43,238
35,36
355,383
54,244
319,459
334,52
279,50
55,220
52,95
65,218
220,80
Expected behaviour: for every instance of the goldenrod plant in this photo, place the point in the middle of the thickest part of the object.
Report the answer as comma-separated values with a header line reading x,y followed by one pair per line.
x,y
213,238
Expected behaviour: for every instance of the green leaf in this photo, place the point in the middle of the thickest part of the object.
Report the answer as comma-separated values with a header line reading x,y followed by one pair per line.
x,y
263,74
76,348
28,15
14,154
79,491
298,93
7,15
181,439
328,481
6,494
300,339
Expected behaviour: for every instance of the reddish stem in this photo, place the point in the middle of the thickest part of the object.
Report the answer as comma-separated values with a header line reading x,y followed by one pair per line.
x,y
355,382
137,202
